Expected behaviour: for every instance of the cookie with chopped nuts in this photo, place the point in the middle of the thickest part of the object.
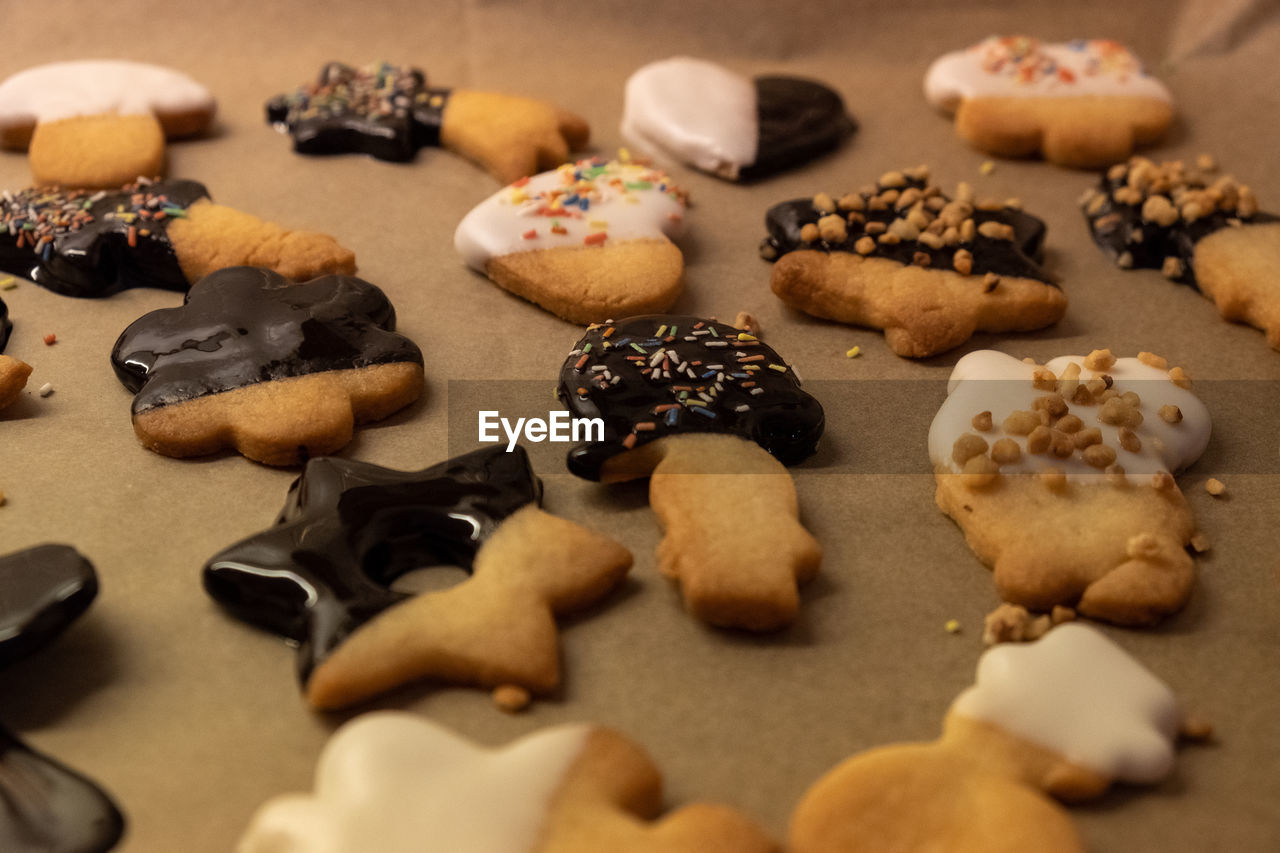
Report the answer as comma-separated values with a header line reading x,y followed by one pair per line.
x,y
1060,476
712,415
1198,228
587,241
903,257
1082,103
1059,719
388,111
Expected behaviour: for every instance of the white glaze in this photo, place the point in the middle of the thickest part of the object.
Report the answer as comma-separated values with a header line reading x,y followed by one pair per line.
x,y
694,111
987,380
1097,67
1079,694
498,225
92,87
393,782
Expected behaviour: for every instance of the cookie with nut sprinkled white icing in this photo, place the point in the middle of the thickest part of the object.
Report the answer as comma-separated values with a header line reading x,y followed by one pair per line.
x,y
1061,477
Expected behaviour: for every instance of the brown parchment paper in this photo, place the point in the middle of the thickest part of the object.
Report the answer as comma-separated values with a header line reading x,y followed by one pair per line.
x,y
192,719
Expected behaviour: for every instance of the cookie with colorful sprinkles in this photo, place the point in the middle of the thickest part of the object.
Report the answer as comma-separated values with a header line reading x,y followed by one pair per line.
x,y
587,241
902,257
148,233
1061,477
712,415
1084,103
389,112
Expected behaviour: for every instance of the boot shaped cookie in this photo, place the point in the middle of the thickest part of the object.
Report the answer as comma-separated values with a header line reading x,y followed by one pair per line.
x,y
588,241
398,783
99,123
1064,716
711,415
1083,103
900,256
164,234
321,576
389,112
1061,478
1197,229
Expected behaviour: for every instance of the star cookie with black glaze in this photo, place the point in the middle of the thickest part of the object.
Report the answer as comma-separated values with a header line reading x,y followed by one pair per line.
x,y
321,576
47,805
389,112
902,257
276,370
711,415
1196,229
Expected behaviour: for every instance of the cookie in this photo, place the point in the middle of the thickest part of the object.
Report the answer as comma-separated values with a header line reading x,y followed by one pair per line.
x,y
740,129
47,806
13,373
1066,716
1082,103
902,257
276,370
1195,228
388,780
1061,477
321,576
712,415
163,234
99,123
587,241
389,112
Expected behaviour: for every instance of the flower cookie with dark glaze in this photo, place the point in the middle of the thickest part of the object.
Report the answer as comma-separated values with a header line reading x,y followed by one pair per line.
x,y
388,111
99,123
163,234
739,129
902,257
1063,717
1061,477
277,370
47,806
587,241
1084,103
322,575
1195,228
387,780
712,415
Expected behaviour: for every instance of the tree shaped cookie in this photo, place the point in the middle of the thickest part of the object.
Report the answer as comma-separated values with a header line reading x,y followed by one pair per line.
x,y
1064,716
1060,476
164,234
46,806
587,241
276,370
99,123
902,257
397,783
1197,229
711,415
321,576
389,112
1082,103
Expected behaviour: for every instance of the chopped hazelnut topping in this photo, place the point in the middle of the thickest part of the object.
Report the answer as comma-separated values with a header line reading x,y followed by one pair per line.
x,y
990,205
1061,445
1117,171
855,218
1044,379
768,252
963,261
1180,378
1038,440
933,241
1082,396
823,203
1162,480
964,192
1129,440
968,446
1051,403
982,421
890,239
935,203
1172,267
1200,542
1096,204
1170,414
851,201
874,228
1215,487
893,179
1117,412
908,197
889,198
1087,437
1159,210
918,173
1115,475
996,230
980,471
864,246
1006,451
1020,423
1069,424
1125,261
1150,359
1054,478
903,230
1099,359
809,233
1013,203
921,259
1099,455
951,236
832,229
967,231
1206,163
877,203
1191,211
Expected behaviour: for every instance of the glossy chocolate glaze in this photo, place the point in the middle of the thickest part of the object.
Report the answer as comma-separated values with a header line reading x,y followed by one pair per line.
x,y
349,529
383,110
708,380
6,326
44,806
797,120
243,325
1018,257
94,244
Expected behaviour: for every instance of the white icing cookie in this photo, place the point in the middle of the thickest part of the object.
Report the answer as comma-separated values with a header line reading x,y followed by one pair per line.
x,y
1079,694
63,90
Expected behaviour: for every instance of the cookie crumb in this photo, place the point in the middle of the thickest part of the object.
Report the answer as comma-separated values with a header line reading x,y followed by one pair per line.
x,y
1200,542
962,261
1150,359
987,167
1172,268
990,282
1013,623
1061,614
8,283
1215,487
1099,359
1206,163
50,339
1179,377
747,323
952,626
1195,727
853,352
893,179
511,698
2,498
982,421
46,389
824,203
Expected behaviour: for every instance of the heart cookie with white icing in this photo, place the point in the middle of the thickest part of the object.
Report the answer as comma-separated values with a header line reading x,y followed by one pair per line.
x,y
1061,477
1082,103
396,783
588,241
